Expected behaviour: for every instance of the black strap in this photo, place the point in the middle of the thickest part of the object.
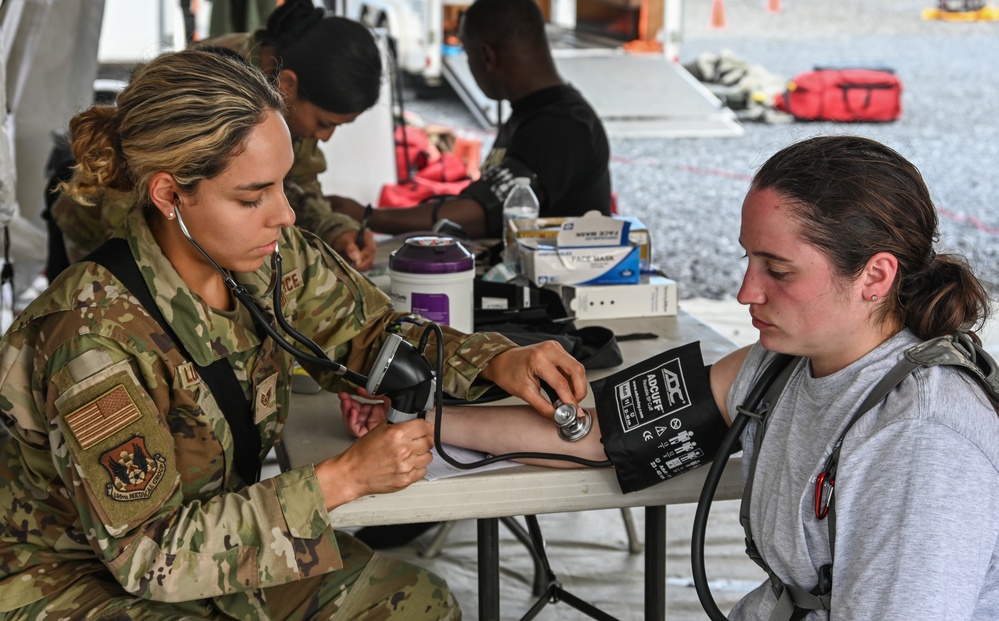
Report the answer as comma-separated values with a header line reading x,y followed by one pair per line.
x,y
7,272
116,257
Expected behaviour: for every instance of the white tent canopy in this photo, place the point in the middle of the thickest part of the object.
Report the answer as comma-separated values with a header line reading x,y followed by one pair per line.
x,y
49,52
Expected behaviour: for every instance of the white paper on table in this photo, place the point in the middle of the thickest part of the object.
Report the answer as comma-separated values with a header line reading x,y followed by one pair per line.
x,y
440,469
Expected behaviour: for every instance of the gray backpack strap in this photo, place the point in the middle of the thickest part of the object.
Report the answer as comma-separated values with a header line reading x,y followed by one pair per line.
x,y
825,485
762,411
792,602
958,350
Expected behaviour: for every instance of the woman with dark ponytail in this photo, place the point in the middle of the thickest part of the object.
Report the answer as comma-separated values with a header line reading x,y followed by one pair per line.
x,y
328,70
839,233
854,198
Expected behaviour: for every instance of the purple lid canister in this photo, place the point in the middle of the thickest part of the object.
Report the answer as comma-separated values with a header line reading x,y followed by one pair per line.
x,y
431,255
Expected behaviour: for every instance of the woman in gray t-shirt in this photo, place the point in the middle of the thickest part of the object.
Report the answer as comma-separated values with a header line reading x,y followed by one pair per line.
x,y
839,236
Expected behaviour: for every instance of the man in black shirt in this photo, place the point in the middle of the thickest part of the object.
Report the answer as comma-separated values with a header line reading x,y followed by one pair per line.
x,y
553,136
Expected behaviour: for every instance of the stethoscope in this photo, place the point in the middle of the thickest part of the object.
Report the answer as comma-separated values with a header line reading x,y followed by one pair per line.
x,y
318,357
571,426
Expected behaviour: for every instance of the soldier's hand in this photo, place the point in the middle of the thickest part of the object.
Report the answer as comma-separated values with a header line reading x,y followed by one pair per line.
x,y
361,258
386,459
517,371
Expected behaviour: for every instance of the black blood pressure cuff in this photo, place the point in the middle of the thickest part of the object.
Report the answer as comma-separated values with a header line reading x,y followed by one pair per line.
x,y
658,418
491,188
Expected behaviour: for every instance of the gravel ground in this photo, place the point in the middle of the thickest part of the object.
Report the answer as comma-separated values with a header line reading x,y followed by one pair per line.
x,y
690,190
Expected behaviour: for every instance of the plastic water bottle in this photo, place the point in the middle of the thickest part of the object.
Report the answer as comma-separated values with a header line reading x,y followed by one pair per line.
x,y
521,202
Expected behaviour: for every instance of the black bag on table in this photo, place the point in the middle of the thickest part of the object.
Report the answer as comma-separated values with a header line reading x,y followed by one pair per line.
x,y
528,315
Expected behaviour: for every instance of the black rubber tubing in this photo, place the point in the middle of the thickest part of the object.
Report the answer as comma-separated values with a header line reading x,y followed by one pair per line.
x,y
711,485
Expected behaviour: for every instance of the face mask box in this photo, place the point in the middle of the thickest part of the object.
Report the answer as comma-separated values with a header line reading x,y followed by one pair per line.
x,y
548,229
593,250
653,296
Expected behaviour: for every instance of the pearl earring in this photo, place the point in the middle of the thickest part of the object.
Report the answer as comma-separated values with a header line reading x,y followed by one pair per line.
x,y
874,298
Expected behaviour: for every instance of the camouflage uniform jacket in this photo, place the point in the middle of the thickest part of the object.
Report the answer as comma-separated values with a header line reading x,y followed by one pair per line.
x,y
85,227
120,460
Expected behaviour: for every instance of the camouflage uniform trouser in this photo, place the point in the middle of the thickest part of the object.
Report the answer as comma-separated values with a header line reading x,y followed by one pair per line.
x,y
370,587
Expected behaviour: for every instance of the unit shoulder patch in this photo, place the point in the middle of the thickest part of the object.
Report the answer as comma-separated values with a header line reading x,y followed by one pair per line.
x,y
134,472
119,446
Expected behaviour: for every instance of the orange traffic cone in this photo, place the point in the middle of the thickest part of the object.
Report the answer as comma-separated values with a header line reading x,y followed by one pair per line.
x,y
717,13
773,6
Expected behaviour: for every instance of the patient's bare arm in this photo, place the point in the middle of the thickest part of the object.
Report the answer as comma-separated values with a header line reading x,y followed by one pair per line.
x,y
514,428
494,429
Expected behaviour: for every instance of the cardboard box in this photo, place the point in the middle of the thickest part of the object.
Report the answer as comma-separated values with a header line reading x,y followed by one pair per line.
x,y
653,296
593,249
548,265
548,229
639,235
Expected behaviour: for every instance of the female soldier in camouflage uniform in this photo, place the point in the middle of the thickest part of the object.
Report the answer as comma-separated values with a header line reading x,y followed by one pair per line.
x,y
118,492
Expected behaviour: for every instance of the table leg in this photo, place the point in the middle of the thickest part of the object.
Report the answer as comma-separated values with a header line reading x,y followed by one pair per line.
x,y
655,563
488,542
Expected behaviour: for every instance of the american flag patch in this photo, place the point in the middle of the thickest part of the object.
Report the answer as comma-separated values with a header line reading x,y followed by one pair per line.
x,y
111,412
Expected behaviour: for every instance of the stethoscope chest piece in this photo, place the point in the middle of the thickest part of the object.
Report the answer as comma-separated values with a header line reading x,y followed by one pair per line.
x,y
572,427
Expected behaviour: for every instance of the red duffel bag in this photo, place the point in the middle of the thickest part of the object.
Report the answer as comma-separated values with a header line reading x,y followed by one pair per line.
x,y
863,95
417,190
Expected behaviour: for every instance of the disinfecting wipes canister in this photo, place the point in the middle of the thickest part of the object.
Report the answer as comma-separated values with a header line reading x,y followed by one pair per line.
x,y
432,277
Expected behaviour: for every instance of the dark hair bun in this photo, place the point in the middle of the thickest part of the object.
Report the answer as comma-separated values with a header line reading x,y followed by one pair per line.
x,y
291,20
